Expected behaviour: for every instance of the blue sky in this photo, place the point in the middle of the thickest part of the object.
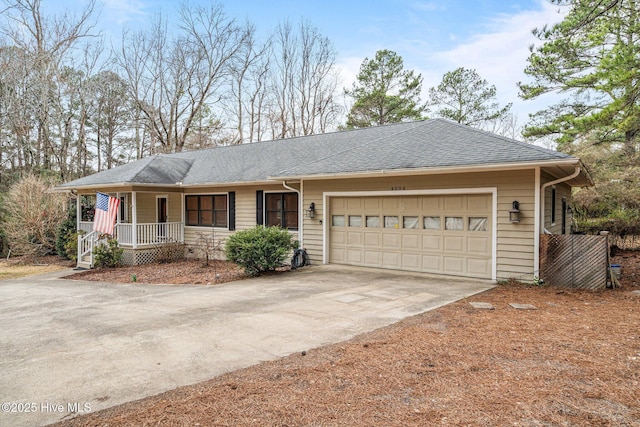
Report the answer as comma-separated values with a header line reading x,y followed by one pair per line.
x,y
433,37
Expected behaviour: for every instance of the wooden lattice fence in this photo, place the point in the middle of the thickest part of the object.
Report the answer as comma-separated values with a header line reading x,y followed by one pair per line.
x,y
574,261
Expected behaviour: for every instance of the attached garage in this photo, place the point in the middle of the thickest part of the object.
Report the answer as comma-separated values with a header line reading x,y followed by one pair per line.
x,y
450,233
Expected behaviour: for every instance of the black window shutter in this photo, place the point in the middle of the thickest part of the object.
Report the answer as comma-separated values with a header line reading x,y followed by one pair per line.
x,y
232,210
259,207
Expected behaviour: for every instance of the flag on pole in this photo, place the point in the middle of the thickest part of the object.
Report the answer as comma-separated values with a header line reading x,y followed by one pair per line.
x,y
106,211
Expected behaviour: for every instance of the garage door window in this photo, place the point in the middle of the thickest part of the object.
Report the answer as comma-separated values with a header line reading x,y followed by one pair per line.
x,y
431,223
410,222
337,220
453,223
355,221
477,223
373,221
391,222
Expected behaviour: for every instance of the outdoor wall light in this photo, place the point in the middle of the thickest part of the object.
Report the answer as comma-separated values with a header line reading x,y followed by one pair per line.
x,y
514,213
311,212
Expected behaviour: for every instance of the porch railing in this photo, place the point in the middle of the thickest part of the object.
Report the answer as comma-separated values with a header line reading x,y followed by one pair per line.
x,y
146,234
86,242
149,233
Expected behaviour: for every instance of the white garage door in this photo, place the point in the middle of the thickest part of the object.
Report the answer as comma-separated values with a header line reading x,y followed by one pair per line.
x,y
444,234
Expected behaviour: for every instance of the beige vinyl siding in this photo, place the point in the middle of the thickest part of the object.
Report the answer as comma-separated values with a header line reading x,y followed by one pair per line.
x,y
146,208
245,210
515,242
562,191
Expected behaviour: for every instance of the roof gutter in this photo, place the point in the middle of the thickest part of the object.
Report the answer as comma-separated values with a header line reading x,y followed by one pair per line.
x,y
431,171
300,212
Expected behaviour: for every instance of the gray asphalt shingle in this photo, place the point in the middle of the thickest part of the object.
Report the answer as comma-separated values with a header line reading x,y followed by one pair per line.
x,y
434,143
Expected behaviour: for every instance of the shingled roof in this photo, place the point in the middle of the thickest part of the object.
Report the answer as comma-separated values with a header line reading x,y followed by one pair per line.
x,y
429,144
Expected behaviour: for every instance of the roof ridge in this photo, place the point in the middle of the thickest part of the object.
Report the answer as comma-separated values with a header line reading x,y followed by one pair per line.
x,y
149,159
502,137
417,122
290,139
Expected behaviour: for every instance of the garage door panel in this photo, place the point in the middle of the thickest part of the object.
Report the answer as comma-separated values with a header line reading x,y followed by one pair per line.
x,y
354,204
478,245
391,240
354,238
372,204
372,239
338,236
411,204
411,241
478,203
432,263
453,265
411,262
478,267
338,256
372,258
454,243
354,256
432,242
391,260
431,204
338,203
391,204
455,203
456,237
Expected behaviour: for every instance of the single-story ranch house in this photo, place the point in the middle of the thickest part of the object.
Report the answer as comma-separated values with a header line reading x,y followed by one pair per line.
x,y
429,196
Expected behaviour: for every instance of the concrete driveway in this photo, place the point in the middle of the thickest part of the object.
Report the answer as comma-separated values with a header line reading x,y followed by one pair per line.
x,y
72,346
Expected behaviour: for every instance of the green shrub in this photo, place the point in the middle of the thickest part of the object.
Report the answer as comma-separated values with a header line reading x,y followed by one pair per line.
x,y
259,249
107,255
4,243
71,245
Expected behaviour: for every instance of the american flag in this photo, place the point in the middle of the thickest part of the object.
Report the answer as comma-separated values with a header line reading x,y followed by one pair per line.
x,y
106,211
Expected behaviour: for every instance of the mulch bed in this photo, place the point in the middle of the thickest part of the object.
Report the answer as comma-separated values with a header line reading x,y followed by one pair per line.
x,y
573,361
179,272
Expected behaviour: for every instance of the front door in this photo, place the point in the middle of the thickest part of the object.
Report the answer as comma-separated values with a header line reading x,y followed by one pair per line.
x,y
162,216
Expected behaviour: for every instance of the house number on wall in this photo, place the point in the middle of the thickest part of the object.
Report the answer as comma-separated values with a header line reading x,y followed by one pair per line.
x,y
397,188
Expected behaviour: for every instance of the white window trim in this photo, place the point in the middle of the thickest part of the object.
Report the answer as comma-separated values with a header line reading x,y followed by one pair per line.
x,y
493,191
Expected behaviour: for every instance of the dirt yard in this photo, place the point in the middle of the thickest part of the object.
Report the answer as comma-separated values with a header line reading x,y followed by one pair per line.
x,y
574,360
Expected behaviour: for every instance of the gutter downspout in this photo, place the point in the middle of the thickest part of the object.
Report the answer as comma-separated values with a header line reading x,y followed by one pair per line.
x,y
549,184
300,211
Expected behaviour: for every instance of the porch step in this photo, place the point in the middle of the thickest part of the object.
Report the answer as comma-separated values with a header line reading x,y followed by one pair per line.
x,y
82,264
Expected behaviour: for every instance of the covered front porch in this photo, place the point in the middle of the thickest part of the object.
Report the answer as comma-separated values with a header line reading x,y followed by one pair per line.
x,y
140,235
144,220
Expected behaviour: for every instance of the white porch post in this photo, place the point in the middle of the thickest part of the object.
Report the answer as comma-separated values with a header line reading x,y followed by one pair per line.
x,y
182,218
134,222
118,219
78,210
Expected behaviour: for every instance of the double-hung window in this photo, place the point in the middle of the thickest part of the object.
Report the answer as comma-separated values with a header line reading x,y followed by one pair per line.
x,y
282,210
206,211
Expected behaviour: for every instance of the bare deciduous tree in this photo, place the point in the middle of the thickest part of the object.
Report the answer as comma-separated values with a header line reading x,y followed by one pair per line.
x,y
47,41
171,79
303,82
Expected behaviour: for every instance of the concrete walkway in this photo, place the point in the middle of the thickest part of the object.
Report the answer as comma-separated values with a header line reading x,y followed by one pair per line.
x,y
78,346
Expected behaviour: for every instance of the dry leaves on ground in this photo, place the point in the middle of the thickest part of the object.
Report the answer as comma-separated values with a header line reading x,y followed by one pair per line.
x,y
180,272
574,360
